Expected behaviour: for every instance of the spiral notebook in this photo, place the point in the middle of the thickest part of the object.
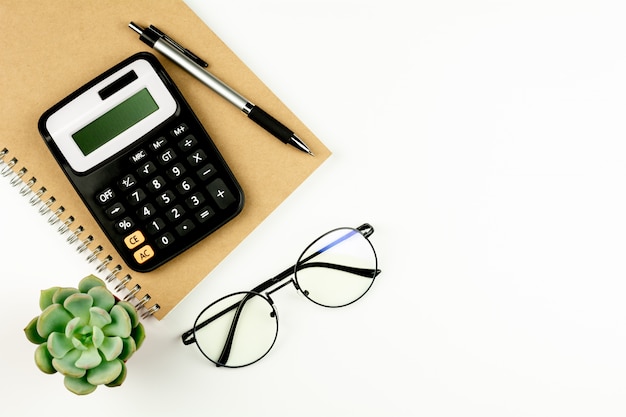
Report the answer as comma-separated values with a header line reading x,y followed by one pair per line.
x,y
51,48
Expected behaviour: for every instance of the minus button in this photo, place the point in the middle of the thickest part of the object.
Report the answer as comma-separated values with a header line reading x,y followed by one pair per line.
x,y
206,172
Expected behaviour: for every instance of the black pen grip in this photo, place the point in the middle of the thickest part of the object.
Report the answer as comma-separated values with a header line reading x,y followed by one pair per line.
x,y
267,122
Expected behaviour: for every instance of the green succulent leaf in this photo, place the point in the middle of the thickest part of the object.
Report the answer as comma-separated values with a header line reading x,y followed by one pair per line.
x,y
45,297
99,317
102,298
67,364
43,359
78,305
31,332
139,334
97,337
53,319
78,344
59,345
112,347
118,381
120,324
130,347
79,386
89,358
132,312
61,294
72,327
106,373
90,282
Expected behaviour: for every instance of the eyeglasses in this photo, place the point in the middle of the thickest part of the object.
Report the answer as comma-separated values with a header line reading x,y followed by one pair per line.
x,y
335,270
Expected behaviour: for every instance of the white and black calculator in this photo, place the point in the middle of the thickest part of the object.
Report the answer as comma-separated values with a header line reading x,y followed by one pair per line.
x,y
142,163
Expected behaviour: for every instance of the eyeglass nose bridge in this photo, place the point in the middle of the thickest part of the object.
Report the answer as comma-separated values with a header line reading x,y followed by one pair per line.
x,y
271,291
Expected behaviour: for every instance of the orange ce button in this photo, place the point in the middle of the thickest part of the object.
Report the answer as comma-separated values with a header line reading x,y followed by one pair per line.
x,y
134,239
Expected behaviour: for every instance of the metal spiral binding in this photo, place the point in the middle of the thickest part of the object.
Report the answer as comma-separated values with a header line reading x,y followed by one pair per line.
x,y
8,169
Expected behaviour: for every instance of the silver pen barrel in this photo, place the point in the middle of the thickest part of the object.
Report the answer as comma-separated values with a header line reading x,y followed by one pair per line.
x,y
202,75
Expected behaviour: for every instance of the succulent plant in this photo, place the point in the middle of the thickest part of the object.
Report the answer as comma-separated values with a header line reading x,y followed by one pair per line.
x,y
86,334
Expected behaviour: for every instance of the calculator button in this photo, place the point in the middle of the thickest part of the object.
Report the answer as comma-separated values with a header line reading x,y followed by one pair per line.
x,y
165,240
205,214
165,199
188,143
115,210
175,213
105,196
144,254
124,225
127,182
179,130
197,157
146,211
138,156
157,144
134,239
156,184
185,227
195,200
176,171
167,157
136,196
155,226
220,193
206,172
185,186
146,169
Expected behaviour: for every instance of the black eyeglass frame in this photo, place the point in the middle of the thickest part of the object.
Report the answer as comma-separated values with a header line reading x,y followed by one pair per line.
x,y
279,281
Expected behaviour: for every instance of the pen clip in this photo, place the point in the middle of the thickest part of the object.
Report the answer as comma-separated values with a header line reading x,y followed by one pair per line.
x,y
195,58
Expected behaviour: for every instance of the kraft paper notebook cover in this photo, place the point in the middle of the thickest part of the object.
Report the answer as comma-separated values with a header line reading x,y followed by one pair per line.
x,y
49,49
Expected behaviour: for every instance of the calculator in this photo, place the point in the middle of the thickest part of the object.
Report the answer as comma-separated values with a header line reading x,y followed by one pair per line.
x,y
142,162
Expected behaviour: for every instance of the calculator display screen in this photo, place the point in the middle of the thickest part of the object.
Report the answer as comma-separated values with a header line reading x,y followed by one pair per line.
x,y
115,121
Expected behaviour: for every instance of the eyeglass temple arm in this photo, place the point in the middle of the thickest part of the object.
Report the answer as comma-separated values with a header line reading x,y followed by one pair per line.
x,y
365,229
231,332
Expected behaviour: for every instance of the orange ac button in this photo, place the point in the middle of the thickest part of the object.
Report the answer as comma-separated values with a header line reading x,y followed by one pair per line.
x,y
144,254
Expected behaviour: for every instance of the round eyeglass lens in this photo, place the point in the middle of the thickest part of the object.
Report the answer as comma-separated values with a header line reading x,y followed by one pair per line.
x,y
237,330
337,269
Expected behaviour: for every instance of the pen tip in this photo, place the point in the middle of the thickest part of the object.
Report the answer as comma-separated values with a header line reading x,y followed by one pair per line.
x,y
135,27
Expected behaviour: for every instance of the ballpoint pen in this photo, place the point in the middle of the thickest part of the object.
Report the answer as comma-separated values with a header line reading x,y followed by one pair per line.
x,y
158,40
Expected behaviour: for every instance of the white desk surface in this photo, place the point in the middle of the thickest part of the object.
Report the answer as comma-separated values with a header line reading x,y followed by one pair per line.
x,y
485,142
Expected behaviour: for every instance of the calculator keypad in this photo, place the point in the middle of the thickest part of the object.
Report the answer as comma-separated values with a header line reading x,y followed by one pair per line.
x,y
168,195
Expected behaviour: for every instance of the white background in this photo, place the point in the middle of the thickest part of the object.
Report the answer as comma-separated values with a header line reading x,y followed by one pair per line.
x,y
484,141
